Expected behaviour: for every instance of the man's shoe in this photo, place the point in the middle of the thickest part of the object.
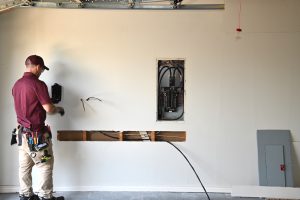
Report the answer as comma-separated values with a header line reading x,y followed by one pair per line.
x,y
33,197
55,198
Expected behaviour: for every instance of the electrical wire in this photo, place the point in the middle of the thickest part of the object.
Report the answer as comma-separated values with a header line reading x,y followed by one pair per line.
x,y
160,77
169,136
180,75
190,166
117,138
82,102
89,98
161,73
108,135
165,66
178,116
93,98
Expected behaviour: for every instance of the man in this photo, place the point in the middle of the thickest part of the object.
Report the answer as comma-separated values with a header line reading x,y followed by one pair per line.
x,y
32,102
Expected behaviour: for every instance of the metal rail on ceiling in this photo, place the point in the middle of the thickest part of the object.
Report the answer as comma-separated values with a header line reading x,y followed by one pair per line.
x,y
111,4
9,4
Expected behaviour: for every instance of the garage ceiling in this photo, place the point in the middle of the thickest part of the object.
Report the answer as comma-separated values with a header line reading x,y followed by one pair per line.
x,y
116,4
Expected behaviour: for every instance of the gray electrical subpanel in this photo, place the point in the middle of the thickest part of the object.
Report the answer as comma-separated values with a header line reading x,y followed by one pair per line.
x,y
274,158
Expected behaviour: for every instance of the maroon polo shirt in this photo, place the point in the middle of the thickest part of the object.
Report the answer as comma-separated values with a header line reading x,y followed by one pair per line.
x,y
30,94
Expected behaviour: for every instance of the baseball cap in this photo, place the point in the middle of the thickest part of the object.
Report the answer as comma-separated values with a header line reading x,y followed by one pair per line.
x,y
35,60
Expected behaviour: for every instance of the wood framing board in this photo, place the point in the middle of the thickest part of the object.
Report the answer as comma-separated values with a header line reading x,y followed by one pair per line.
x,y
99,135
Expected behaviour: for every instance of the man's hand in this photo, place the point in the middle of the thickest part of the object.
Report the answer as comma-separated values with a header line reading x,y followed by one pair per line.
x,y
52,109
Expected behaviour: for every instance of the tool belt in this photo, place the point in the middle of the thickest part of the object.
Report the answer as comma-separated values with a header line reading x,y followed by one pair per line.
x,y
37,141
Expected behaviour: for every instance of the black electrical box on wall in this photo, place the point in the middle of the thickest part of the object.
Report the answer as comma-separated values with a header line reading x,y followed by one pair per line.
x,y
170,90
56,90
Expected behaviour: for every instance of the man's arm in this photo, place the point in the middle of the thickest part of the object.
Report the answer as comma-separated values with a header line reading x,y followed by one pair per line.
x,y
52,109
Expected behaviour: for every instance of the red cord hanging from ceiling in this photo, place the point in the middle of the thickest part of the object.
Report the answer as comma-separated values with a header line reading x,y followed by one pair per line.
x,y
239,29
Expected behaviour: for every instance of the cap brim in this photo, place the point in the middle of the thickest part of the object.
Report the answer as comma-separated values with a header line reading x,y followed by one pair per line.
x,y
46,68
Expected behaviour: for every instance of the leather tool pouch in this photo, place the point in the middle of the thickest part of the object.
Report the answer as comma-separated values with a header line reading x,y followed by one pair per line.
x,y
13,137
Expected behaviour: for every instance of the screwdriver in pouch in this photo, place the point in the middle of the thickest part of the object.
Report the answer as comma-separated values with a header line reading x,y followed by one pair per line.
x,y
30,141
34,138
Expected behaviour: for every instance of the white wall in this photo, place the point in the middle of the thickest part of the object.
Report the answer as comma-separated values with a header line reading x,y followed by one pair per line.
x,y
235,84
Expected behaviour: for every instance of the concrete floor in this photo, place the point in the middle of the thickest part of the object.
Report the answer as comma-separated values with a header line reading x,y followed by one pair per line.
x,y
135,196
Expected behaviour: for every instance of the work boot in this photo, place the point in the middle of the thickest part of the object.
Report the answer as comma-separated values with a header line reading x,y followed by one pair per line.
x,y
33,197
55,198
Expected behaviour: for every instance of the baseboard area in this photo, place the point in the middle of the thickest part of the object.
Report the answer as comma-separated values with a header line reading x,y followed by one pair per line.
x,y
266,192
13,189
8,189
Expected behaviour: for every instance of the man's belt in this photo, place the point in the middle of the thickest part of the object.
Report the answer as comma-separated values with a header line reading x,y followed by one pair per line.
x,y
25,130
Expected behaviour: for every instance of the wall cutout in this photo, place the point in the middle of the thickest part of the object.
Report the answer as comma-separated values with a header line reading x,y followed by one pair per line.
x,y
170,90
97,135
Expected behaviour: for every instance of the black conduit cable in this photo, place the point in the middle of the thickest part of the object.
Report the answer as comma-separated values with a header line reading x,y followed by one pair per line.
x,y
89,98
177,69
163,74
180,73
160,79
163,67
82,104
178,64
94,98
108,135
190,166
177,117
169,68
159,85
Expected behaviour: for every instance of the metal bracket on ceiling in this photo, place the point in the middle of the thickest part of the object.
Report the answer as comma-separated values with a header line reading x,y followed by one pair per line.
x,y
8,4
131,3
58,4
125,4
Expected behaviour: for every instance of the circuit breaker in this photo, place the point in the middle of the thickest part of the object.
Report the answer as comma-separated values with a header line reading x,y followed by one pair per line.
x,y
274,158
170,90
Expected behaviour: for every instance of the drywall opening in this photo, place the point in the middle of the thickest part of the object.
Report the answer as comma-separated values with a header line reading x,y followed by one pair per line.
x,y
100,135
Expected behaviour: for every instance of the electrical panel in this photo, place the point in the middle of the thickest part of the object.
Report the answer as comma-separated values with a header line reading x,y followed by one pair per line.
x,y
170,90
274,158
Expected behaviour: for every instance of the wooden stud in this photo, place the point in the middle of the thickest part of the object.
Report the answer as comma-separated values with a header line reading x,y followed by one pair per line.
x,y
121,136
152,136
84,133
